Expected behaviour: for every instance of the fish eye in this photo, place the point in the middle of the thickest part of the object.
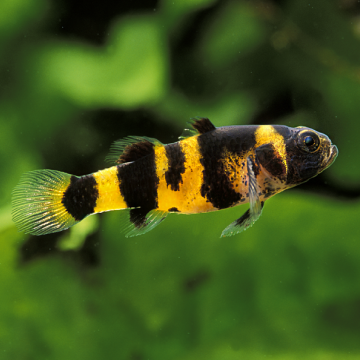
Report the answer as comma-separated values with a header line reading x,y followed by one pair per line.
x,y
309,141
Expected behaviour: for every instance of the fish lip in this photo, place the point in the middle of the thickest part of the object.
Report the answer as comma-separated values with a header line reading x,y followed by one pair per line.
x,y
334,152
333,155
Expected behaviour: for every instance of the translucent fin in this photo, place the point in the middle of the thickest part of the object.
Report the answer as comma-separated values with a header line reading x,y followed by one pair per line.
x,y
187,133
199,126
37,206
251,215
140,224
131,148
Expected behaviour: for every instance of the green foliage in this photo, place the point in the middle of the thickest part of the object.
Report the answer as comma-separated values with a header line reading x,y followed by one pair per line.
x,y
130,71
287,288
226,41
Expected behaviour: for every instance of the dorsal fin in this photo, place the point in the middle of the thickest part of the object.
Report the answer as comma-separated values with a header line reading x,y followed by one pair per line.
x,y
199,126
202,125
131,148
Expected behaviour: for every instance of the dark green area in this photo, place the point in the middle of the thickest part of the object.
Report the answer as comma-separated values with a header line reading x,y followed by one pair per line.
x,y
288,288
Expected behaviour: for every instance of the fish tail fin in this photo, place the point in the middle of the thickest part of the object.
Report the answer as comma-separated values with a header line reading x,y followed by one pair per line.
x,y
37,202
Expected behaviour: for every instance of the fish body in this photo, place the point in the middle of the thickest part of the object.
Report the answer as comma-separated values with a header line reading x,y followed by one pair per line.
x,y
209,169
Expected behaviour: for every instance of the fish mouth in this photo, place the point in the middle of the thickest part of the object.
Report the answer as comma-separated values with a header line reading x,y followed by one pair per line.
x,y
334,152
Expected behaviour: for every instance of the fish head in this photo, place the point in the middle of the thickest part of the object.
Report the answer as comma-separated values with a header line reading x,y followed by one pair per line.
x,y
309,152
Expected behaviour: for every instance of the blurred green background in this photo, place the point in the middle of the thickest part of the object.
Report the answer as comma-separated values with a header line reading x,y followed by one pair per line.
x,y
76,76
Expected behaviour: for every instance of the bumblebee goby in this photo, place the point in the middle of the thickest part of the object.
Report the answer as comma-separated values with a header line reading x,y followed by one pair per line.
x,y
208,169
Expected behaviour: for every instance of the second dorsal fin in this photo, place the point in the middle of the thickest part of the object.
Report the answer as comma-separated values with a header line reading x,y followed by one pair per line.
x,y
131,148
199,126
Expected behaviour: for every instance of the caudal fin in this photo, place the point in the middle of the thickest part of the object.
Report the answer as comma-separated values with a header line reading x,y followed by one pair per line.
x,y
37,202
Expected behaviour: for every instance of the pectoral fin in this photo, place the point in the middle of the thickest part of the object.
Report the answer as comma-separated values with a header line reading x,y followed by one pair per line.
x,y
271,160
252,214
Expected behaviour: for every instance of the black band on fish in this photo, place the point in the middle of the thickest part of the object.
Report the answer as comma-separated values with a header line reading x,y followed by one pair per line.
x,y
217,187
80,197
271,161
138,184
176,160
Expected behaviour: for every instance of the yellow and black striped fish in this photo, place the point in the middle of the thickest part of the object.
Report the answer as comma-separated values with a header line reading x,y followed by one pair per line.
x,y
208,169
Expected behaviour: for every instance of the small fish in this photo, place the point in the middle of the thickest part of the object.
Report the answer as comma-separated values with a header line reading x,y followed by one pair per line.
x,y
208,169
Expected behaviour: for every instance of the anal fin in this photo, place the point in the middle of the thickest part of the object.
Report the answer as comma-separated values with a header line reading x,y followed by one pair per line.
x,y
141,222
252,214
